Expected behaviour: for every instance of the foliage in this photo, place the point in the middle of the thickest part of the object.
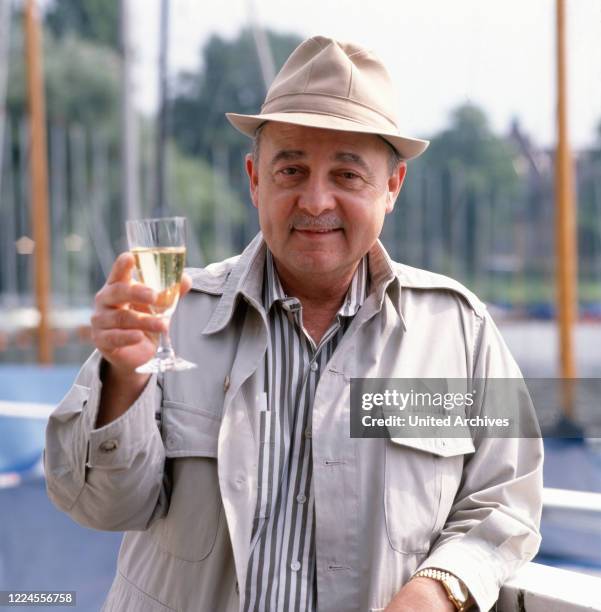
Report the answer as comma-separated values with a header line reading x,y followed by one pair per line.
x,y
82,91
196,191
229,80
93,20
473,170
470,150
74,92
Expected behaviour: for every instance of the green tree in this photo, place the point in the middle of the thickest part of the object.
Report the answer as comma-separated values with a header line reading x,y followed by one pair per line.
x,y
475,171
229,80
74,92
94,20
196,191
469,147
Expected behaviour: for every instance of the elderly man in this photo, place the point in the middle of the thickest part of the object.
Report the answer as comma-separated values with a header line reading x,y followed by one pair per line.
x,y
238,484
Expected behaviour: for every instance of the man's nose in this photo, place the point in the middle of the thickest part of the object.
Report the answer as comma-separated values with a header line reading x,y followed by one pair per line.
x,y
317,196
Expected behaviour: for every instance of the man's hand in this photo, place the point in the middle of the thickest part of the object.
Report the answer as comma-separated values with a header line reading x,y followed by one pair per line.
x,y
421,594
126,333
123,329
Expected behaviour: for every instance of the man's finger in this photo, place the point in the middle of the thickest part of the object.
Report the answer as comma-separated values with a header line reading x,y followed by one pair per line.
x,y
121,318
110,340
121,270
185,285
121,293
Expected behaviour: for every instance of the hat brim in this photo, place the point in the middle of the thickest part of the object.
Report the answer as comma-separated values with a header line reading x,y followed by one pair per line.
x,y
408,148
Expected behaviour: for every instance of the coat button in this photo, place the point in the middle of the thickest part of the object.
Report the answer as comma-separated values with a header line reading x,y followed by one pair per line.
x,y
108,446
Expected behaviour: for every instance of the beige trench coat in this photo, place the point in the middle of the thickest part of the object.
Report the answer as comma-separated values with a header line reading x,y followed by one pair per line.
x,y
185,492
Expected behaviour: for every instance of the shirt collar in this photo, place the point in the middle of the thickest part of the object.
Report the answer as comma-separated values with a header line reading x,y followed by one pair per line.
x,y
355,296
246,281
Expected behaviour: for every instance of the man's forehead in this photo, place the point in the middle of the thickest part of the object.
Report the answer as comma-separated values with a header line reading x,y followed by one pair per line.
x,y
287,133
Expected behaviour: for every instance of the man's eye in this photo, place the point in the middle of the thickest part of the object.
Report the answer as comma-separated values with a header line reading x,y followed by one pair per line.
x,y
349,175
289,171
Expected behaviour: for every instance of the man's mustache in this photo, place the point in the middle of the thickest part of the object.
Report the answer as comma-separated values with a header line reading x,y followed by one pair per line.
x,y
324,222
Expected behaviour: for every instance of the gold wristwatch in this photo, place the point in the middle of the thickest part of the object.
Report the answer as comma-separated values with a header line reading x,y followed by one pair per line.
x,y
456,591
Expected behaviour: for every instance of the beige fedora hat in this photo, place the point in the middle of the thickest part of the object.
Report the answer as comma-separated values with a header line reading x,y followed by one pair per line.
x,y
336,86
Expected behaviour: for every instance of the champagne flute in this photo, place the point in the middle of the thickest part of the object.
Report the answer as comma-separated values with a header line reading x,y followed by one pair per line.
x,y
159,248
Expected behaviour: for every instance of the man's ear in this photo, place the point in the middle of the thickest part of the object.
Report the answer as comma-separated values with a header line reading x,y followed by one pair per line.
x,y
253,179
395,182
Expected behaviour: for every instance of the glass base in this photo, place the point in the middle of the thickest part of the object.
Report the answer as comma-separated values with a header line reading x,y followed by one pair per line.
x,y
168,364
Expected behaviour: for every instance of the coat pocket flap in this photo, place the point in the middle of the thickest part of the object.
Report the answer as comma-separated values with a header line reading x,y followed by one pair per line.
x,y
443,447
189,431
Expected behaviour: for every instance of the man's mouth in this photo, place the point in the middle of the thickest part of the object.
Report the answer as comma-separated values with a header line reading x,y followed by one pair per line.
x,y
314,230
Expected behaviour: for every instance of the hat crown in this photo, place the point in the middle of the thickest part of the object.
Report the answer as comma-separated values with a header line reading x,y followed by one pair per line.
x,y
332,85
324,72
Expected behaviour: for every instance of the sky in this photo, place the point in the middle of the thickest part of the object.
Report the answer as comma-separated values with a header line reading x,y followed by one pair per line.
x,y
498,54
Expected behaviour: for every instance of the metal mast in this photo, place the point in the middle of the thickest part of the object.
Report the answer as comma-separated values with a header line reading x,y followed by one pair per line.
x,y
161,206
39,176
565,222
262,45
5,24
129,143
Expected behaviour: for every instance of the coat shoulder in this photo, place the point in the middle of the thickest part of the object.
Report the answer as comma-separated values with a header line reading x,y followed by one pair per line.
x,y
424,280
212,278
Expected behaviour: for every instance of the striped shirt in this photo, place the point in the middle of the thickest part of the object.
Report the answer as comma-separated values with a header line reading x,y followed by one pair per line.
x,y
281,570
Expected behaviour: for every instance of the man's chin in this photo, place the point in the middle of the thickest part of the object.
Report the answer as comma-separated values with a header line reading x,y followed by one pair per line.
x,y
315,263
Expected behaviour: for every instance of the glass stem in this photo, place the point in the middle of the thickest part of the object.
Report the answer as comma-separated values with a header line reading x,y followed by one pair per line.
x,y
164,349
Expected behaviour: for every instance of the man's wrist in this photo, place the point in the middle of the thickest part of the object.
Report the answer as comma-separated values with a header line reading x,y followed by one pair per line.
x,y
455,589
421,594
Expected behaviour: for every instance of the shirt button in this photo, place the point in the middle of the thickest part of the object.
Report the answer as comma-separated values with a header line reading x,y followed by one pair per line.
x,y
295,566
108,446
313,366
301,499
308,433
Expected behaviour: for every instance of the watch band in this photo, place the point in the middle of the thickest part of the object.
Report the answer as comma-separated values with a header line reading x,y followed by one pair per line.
x,y
456,590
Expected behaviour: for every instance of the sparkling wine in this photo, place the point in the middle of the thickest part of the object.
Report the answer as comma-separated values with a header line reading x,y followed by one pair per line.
x,y
160,268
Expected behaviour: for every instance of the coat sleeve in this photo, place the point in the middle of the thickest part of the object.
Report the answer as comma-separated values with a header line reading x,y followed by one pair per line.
x,y
493,526
110,478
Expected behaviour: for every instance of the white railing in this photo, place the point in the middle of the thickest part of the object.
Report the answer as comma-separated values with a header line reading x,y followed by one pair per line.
x,y
540,588
574,501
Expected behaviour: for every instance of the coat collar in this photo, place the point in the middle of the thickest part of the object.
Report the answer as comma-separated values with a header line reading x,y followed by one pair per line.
x,y
245,281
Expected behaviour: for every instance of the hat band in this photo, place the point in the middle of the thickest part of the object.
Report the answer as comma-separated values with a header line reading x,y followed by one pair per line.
x,y
326,104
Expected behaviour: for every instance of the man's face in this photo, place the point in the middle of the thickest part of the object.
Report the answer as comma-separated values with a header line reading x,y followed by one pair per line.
x,y
321,196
